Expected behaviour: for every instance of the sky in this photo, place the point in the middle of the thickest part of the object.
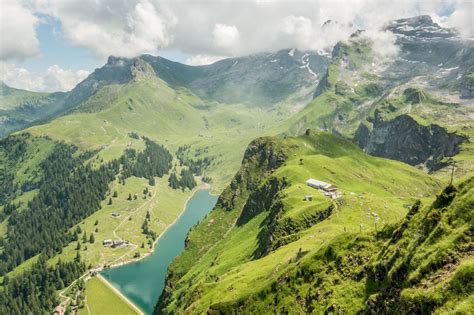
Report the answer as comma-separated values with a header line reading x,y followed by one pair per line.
x,y
51,45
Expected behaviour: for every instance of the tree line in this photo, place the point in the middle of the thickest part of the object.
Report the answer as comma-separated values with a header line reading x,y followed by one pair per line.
x,y
34,291
70,190
154,161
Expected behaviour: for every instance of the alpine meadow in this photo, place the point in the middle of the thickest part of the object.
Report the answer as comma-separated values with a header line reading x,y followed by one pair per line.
x,y
236,157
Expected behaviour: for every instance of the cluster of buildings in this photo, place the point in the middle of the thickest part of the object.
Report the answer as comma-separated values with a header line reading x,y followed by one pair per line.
x,y
115,243
329,190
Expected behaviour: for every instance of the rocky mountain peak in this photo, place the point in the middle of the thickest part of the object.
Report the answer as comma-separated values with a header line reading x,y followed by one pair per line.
x,y
420,27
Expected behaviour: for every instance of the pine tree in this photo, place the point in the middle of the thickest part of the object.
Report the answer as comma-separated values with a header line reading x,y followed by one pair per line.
x,y
96,222
129,197
110,201
78,256
84,237
145,227
151,181
92,239
115,195
148,215
173,181
78,246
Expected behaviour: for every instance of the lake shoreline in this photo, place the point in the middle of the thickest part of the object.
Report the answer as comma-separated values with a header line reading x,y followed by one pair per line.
x,y
203,186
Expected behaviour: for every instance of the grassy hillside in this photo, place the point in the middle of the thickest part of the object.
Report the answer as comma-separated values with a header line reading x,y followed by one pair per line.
x,y
261,226
21,108
173,117
421,264
101,299
99,132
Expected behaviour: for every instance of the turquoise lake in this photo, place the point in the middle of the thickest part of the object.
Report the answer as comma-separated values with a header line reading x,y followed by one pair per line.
x,y
143,281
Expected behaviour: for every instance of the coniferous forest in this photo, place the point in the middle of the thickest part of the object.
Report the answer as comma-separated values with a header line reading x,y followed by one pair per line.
x,y
69,190
34,291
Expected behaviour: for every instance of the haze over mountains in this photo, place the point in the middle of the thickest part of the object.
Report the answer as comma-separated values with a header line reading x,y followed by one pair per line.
x,y
387,120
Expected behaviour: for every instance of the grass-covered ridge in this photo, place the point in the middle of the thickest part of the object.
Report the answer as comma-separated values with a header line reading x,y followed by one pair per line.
x,y
421,264
261,227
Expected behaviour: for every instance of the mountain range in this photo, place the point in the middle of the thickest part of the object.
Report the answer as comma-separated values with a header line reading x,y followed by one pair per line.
x,y
390,125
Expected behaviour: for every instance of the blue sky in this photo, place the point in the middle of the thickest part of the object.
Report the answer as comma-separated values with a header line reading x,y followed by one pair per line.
x,y
55,49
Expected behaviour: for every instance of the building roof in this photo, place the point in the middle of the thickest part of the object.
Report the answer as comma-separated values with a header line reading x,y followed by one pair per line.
x,y
318,183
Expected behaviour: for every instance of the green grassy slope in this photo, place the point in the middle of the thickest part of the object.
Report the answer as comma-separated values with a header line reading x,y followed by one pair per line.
x,y
421,264
21,108
169,116
261,222
103,125
101,299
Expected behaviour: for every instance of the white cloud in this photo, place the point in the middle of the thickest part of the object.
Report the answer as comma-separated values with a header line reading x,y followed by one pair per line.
x,y
383,44
461,19
53,80
225,36
110,27
17,28
58,79
216,28
199,60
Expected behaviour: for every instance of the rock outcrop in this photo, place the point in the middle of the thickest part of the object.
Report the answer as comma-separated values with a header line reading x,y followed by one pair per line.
x,y
404,139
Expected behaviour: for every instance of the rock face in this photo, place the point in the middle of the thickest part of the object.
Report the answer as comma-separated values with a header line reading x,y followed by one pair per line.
x,y
427,49
467,84
404,139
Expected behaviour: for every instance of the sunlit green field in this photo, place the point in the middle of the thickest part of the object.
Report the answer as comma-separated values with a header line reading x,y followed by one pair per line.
x,y
102,300
372,187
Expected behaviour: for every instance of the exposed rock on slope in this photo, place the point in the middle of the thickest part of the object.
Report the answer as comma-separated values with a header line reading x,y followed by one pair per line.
x,y
404,139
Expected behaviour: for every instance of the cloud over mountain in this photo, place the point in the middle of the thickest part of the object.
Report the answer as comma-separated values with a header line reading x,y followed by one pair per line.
x,y
132,27
53,80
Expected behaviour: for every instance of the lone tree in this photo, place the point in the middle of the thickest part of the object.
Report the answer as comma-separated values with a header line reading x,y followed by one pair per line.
x,y
92,239
84,237
151,181
96,222
129,197
78,246
110,201
115,194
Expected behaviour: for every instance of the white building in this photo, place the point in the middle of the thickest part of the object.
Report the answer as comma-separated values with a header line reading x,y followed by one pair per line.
x,y
320,185
329,190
